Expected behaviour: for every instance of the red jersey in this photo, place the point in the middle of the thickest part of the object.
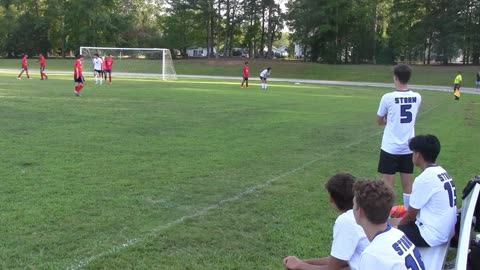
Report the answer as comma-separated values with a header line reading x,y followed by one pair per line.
x,y
245,71
77,69
24,62
108,63
41,59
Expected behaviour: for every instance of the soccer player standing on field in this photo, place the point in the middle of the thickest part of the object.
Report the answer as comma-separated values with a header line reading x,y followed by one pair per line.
x,y
456,87
108,68
97,69
398,112
245,74
41,59
24,67
78,75
263,77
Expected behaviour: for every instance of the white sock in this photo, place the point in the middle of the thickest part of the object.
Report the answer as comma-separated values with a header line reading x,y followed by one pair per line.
x,y
101,79
265,86
406,200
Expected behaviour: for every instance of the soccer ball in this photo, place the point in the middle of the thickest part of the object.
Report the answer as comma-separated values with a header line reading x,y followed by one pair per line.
x,y
398,211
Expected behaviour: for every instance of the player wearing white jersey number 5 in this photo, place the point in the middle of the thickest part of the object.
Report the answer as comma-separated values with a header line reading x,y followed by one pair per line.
x,y
398,112
431,217
263,77
389,248
97,69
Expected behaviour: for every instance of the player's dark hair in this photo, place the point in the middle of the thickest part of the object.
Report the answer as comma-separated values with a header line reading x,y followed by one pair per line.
x,y
403,73
375,198
340,189
246,63
268,68
97,55
427,145
79,56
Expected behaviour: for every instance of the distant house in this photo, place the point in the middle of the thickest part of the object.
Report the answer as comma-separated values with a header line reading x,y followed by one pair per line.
x,y
198,52
298,51
280,51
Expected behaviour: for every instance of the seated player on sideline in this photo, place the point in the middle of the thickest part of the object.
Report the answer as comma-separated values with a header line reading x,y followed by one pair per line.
x,y
349,240
245,75
431,217
389,248
263,77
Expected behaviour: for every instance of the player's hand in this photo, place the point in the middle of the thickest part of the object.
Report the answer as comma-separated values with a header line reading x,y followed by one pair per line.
x,y
291,262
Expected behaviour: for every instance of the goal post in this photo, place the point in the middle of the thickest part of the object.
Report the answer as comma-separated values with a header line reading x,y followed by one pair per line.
x,y
141,62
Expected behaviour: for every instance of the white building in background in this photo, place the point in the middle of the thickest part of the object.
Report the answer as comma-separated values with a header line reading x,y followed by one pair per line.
x,y
199,52
298,50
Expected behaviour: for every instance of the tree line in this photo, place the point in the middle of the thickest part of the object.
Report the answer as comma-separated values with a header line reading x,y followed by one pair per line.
x,y
328,31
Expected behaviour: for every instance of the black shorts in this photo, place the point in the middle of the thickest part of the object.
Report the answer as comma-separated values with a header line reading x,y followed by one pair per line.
x,y
79,80
245,78
391,164
42,69
413,233
456,86
98,71
263,79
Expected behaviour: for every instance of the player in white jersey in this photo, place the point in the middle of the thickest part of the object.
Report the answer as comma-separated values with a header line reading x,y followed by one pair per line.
x,y
389,248
349,240
97,69
398,112
431,217
263,77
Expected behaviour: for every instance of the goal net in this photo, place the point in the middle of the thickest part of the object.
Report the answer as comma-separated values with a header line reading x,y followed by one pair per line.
x,y
141,62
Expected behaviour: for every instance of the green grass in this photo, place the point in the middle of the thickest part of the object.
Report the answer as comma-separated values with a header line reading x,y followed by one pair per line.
x,y
423,75
191,174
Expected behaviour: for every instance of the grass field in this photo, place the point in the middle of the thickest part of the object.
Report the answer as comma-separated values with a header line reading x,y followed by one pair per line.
x,y
423,75
146,174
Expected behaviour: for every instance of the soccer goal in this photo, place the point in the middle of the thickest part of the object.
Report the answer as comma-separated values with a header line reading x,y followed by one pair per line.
x,y
141,62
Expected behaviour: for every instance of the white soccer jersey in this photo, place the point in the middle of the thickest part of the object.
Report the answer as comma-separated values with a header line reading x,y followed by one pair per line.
x,y
349,240
265,73
392,250
434,194
97,63
401,108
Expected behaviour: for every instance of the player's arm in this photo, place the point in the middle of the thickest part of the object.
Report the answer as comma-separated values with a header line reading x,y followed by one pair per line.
x,y
410,217
381,120
329,263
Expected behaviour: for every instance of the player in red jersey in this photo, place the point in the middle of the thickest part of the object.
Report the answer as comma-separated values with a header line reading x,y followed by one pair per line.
x,y
245,75
24,67
108,68
104,68
78,75
41,59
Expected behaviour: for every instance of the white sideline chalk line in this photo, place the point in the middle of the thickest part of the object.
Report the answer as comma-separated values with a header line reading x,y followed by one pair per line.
x,y
201,212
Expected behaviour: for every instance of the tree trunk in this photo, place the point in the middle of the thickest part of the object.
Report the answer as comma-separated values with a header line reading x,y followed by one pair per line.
x,y
218,28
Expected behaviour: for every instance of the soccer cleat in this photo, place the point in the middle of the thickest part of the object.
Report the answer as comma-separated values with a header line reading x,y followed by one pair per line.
x,y
18,78
77,94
